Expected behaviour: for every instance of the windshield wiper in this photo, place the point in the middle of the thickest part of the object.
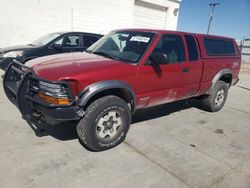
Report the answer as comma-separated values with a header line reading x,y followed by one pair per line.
x,y
122,59
112,57
88,51
104,54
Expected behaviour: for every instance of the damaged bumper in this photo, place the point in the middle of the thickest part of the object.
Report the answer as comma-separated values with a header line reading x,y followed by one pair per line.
x,y
16,83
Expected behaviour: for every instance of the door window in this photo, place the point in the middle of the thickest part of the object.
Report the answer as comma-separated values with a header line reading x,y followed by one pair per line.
x,y
172,45
69,41
89,40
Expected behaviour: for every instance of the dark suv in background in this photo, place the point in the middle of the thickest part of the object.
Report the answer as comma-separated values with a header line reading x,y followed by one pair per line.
x,y
52,43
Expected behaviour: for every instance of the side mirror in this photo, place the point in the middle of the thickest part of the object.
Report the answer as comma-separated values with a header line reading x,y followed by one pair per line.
x,y
57,46
159,58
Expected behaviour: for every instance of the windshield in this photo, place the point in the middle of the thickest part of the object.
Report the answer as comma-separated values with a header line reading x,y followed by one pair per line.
x,y
45,39
127,46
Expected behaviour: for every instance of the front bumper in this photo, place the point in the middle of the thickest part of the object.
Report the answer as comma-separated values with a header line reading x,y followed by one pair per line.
x,y
16,86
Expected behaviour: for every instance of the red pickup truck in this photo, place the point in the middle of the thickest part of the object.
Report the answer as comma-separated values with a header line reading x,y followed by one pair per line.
x,y
125,70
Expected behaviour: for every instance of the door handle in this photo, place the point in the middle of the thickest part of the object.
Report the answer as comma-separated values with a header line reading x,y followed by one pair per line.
x,y
185,70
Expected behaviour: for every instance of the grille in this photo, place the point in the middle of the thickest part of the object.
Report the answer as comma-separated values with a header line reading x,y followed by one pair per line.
x,y
68,93
33,87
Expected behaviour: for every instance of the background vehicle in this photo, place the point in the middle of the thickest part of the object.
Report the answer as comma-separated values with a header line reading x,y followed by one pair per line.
x,y
52,43
124,71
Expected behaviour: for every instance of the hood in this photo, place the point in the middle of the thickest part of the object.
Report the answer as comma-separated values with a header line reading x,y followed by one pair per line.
x,y
14,48
70,65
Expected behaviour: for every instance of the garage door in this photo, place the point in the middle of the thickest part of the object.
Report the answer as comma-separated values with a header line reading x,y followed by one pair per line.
x,y
148,15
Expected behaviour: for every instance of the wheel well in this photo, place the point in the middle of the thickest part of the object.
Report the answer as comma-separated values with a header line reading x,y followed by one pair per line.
x,y
119,92
226,78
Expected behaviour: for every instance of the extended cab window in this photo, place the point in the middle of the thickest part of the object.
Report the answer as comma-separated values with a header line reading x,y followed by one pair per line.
x,y
172,45
219,47
192,48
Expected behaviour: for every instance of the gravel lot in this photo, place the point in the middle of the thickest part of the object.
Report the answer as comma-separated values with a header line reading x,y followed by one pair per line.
x,y
174,145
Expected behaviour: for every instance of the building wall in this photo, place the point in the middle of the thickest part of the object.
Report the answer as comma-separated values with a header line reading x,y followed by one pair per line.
x,y
171,15
24,21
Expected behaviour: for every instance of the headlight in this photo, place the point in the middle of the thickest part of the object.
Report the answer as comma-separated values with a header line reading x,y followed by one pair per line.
x,y
54,93
13,54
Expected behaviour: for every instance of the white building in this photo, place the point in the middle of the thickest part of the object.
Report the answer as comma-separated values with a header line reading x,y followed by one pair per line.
x,y
24,21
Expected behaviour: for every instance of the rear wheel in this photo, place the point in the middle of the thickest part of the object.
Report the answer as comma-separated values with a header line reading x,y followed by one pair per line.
x,y
105,123
216,100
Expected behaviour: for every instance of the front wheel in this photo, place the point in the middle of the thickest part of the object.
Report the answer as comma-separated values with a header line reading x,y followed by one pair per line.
x,y
105,123
216,100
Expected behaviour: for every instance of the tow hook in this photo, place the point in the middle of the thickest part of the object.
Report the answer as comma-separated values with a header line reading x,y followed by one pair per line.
x,y
34,116
80,113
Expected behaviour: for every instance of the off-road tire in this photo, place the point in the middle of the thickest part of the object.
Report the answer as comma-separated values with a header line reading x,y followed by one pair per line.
x,y
209,103
87,126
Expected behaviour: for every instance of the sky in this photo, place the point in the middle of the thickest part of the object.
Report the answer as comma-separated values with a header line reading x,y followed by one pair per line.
x,y
231,17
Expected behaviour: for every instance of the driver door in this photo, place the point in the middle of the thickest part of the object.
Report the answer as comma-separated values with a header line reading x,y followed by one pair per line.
x,y
161,82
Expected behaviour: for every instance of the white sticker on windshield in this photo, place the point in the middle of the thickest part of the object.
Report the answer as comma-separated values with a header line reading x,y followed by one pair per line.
x,y
140,39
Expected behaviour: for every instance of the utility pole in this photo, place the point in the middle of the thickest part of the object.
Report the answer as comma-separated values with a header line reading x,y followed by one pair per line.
x,y
242,44
212,5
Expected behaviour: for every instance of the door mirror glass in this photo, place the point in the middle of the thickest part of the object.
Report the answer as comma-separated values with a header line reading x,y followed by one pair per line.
x,y
159,58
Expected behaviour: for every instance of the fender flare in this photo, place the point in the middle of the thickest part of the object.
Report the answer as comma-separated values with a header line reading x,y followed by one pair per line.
x,y
88,92
218,76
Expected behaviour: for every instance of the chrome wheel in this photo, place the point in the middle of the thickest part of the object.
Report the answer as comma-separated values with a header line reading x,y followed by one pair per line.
x,y
108,125
219,97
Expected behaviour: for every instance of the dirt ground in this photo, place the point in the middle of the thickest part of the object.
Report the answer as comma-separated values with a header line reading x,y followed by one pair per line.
x,y
245,68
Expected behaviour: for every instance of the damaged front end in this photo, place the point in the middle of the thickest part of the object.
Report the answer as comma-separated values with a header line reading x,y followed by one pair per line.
x,y
39,99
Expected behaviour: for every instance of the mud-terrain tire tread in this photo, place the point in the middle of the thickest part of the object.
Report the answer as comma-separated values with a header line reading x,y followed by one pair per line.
x,y
208,103
85,126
